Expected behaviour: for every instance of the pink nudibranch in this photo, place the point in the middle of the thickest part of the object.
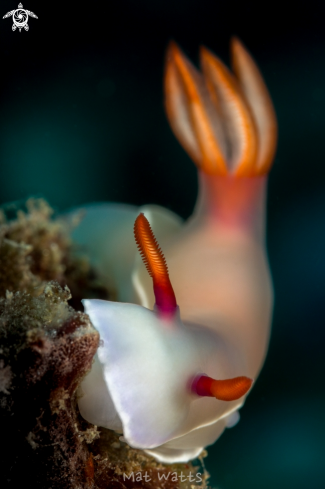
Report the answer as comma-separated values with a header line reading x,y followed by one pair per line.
x,y
181,346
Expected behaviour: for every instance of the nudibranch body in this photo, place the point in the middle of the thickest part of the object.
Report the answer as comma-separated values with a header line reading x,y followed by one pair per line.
x,y
179,350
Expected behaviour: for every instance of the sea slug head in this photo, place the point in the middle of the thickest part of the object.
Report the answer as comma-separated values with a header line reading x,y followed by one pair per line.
x,y
149,367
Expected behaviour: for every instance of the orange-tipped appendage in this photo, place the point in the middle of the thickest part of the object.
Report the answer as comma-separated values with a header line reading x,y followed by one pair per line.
x,y
257,96
224,390
232,131
241,130
188,112
154,260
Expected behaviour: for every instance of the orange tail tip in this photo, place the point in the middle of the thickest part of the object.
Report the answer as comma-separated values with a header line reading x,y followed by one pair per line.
x,y
155,262
226,123
224,390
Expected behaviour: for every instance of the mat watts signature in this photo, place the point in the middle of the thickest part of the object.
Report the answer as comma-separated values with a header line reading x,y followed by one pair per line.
x,y
173,476
20,18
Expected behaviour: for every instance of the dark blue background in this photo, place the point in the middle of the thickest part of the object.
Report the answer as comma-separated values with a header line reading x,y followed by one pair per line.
x,y
82,119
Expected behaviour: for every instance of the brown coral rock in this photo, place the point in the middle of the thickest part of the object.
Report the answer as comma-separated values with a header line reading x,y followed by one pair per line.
x,y
46,348
36,247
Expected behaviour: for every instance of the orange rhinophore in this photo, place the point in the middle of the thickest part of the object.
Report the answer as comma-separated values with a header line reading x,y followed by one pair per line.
x,y
155,262
224,390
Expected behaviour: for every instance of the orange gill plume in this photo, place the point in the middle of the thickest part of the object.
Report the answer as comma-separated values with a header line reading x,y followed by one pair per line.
x,y
154,260
226,122
224,390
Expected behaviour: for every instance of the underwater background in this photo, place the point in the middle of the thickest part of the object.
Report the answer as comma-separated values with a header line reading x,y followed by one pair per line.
x,y
82,120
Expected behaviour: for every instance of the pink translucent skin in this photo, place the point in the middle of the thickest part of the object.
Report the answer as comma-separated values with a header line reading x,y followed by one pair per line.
x,y
218,266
